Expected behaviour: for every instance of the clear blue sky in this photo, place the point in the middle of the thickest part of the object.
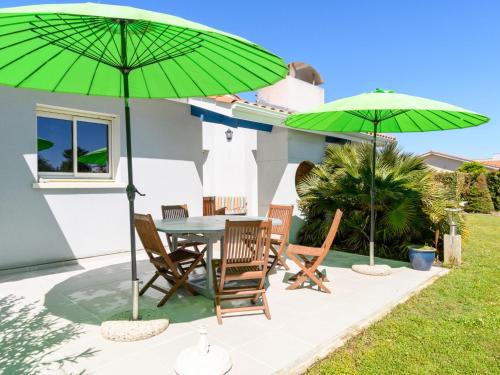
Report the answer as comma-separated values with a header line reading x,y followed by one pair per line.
x,y
447,50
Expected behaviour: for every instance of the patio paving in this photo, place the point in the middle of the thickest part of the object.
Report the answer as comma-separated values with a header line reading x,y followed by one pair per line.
x,y
60,310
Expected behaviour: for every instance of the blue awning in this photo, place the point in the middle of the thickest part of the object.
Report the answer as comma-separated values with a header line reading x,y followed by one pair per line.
x,y
210,116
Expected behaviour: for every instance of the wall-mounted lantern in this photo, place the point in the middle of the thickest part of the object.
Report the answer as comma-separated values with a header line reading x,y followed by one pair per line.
x,y
229,134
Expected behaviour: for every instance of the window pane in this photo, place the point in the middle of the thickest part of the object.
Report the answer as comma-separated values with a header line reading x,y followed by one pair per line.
x,y
55,150
93,149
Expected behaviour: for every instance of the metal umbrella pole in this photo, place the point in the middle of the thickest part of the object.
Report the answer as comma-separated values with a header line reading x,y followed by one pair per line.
x,y
372,196
131,189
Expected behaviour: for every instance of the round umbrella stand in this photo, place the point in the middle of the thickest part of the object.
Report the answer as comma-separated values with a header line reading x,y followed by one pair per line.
x,y
375,270
132,330
203,359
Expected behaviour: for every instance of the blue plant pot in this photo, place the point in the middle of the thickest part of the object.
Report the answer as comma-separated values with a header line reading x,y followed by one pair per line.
x,y
421,257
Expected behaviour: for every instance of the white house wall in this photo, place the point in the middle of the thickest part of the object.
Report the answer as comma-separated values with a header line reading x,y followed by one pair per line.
x,y
45,225
230,168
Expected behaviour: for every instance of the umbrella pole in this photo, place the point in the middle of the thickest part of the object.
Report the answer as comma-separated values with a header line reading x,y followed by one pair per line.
x,y
131,189
372,196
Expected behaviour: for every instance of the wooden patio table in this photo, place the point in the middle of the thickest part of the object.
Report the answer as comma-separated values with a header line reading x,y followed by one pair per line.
x,y
205,229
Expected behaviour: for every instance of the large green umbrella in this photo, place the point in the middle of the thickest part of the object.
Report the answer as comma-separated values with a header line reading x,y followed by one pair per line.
x,y
107,50
388,112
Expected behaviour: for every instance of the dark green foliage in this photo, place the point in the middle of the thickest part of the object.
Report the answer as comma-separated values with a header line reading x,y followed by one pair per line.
x,y
405,200
478,196
473,167
493,179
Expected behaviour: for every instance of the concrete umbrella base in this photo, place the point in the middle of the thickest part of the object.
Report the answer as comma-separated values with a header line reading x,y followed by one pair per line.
x,y
375,270
133,330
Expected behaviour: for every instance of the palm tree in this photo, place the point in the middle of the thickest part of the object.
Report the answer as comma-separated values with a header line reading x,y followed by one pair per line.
x,y
403,184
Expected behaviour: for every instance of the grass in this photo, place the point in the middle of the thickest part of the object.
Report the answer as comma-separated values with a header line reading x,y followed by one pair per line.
x,y
452,327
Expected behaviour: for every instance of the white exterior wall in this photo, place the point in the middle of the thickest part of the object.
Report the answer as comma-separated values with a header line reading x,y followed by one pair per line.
x,y
292,93
45,225
278,156
230,168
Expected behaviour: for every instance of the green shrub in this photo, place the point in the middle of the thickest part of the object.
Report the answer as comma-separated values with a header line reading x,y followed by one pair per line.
x,y
474,168
493,179
478,196
409,204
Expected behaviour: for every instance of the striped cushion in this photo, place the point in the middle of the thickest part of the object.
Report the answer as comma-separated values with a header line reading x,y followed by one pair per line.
x,y
234,205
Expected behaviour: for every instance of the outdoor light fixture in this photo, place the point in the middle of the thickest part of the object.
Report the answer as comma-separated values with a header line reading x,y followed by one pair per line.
x,y
452,219
229,134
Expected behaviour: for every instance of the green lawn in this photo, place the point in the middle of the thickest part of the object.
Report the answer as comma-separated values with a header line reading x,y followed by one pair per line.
x,y
452,327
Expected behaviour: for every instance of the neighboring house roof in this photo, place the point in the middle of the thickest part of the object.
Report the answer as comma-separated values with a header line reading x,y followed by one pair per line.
x,y
490,164
230,99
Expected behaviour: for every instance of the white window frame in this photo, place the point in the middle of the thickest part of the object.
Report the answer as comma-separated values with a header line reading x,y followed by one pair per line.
x,y
75,116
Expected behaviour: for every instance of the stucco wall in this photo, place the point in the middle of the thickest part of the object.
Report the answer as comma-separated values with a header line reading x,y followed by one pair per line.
x,y
278,156
230,168
45,225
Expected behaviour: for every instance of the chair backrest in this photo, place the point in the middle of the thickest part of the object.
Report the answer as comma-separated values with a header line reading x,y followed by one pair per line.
x,y
150,238
246,244
234,205
327,244
283,213
175,211
208,206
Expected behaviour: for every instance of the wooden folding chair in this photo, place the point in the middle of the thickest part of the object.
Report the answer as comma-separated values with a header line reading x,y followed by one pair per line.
x,y
167,265
244,259
209,207
178,212
279,236
312,257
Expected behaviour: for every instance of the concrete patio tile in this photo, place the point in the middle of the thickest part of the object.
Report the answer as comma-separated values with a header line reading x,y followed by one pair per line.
x,y
304,324
275,349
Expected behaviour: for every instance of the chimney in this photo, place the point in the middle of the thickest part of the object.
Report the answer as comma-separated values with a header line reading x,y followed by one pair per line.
x,y
299,91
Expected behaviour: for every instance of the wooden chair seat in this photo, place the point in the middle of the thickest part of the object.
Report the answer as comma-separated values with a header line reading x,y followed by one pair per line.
x,y
310,258
244,258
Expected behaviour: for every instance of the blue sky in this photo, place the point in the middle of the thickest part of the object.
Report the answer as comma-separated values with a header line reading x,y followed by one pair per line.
x,y
446,50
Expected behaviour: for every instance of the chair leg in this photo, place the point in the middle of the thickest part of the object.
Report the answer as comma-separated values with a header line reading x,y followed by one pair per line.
x,y
218,311
266,306
149,283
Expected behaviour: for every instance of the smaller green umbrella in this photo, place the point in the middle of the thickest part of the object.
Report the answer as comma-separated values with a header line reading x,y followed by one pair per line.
x,y
388,112
44,144
97,157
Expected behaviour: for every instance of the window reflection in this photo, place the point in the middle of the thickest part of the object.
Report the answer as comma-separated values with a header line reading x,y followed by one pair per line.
x,y
55,150
93,150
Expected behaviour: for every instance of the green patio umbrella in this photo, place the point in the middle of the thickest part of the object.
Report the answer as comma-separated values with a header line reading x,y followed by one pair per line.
x,y
97,157
107,50
43,144
388,112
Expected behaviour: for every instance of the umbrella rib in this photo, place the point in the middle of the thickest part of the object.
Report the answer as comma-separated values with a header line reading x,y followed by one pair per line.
x,y
248,47
226,72
134,54
30,52
238,64
90,42
180,66
145,82
99,63
307,118
33,28
412,120
118,50
32,38
106,24
163,43
168,56
139,56
78,57
424,115
462,118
